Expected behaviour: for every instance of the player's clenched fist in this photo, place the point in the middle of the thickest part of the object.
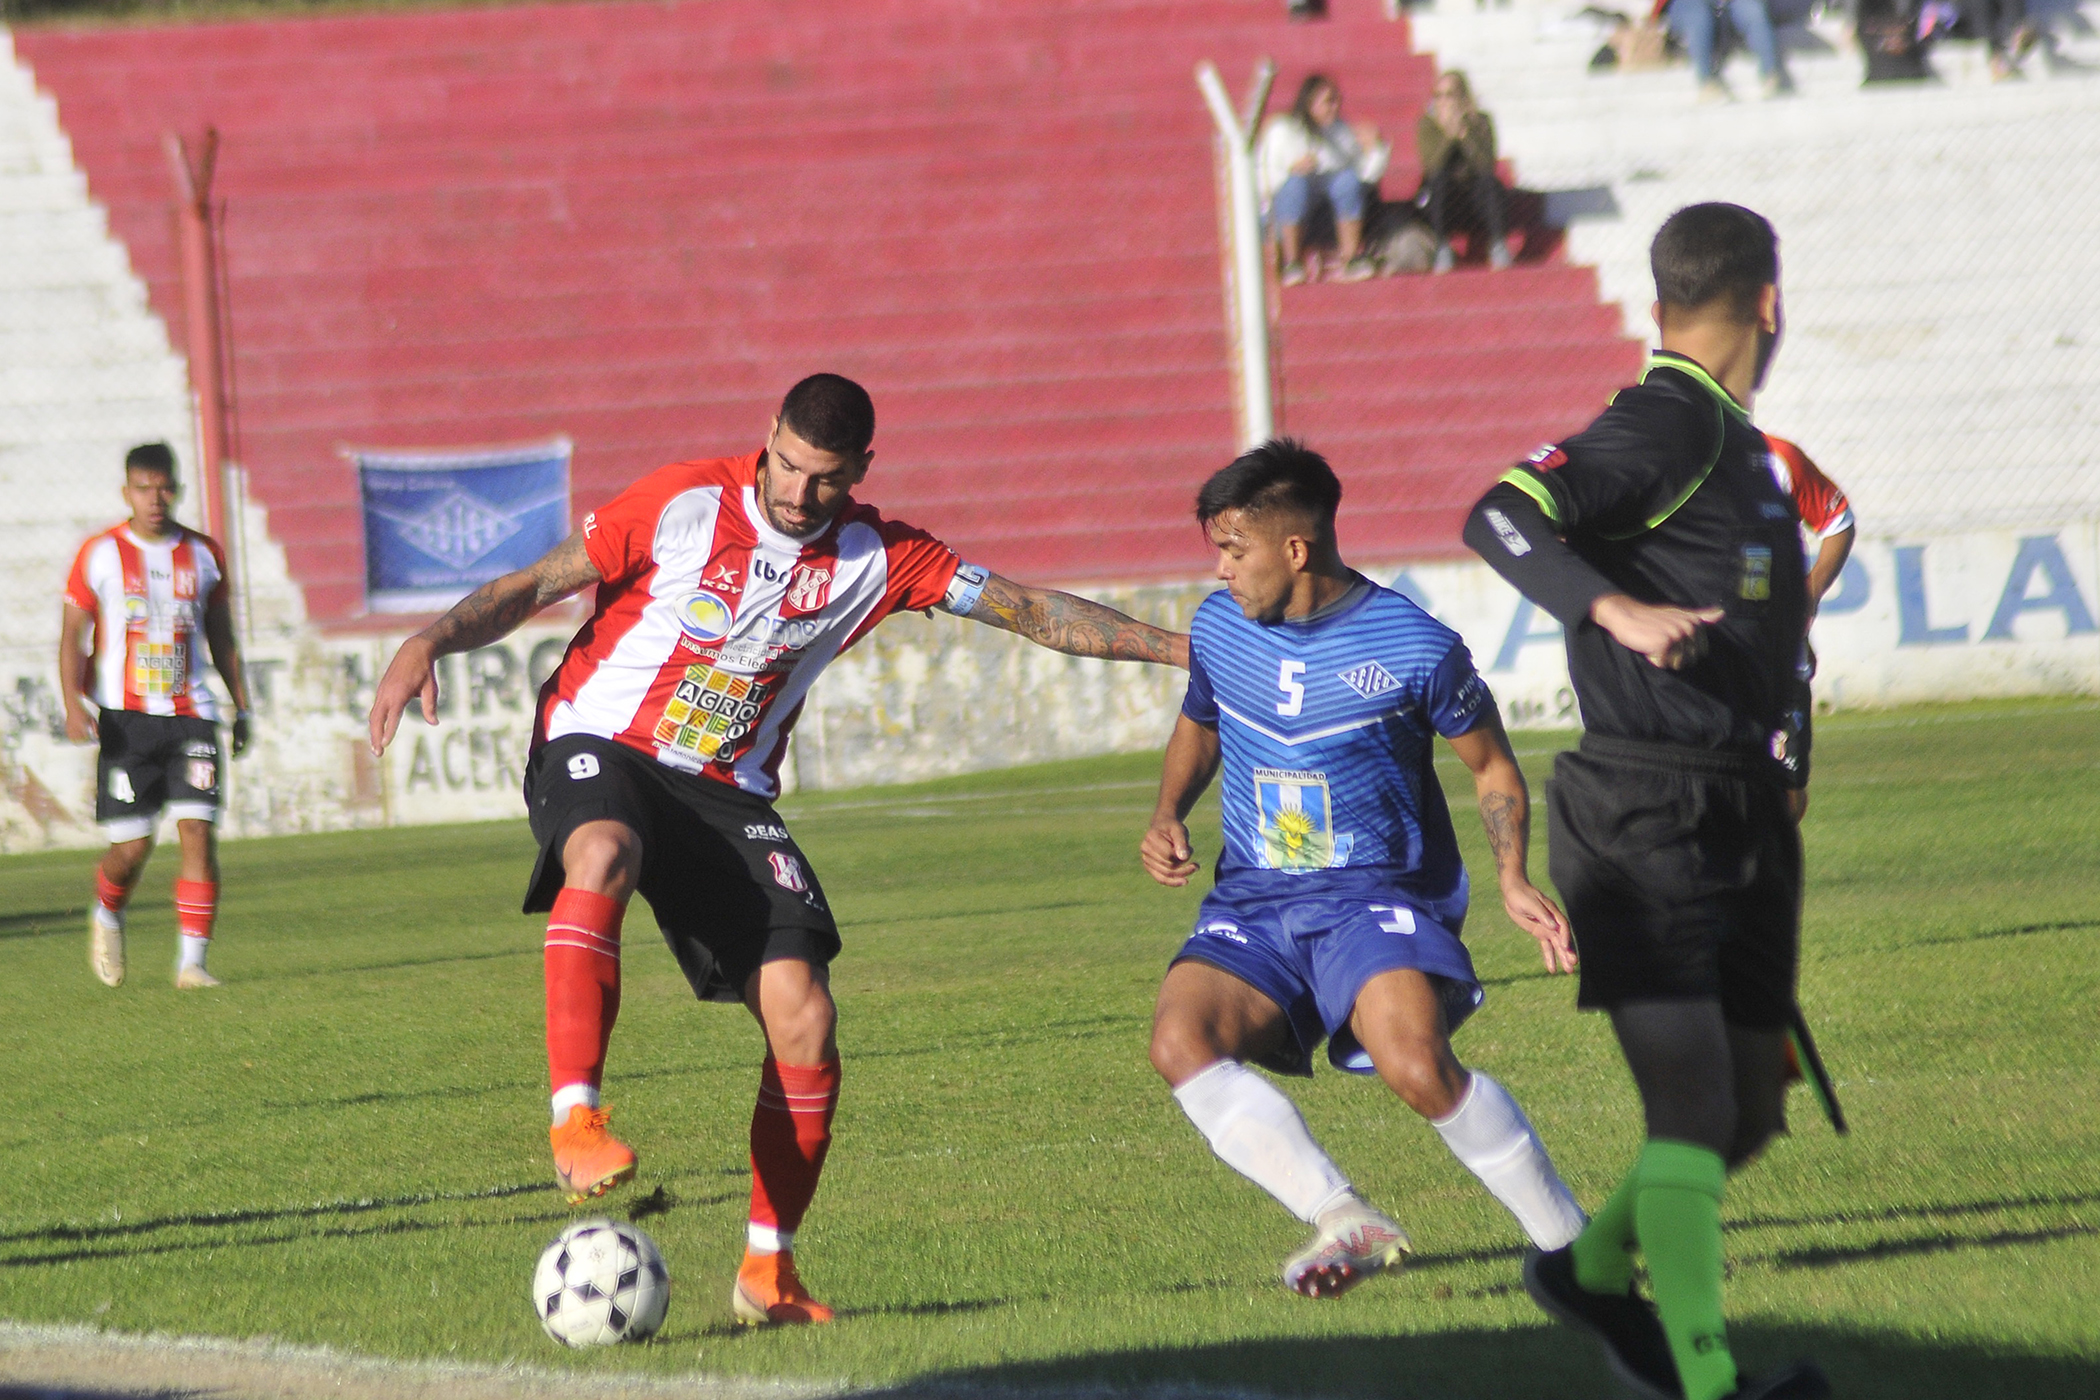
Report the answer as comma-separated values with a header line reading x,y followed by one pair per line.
x,y
1165,851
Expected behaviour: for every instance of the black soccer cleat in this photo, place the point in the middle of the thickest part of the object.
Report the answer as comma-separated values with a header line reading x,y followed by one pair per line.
x,y
1804,1380
1634,1345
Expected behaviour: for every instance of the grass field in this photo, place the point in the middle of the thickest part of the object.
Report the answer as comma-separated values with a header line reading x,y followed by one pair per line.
x,y
347,1144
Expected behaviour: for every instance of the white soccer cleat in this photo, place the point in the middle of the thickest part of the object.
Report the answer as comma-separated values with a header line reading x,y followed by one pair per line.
x,y
106,949
1355,1241
189,979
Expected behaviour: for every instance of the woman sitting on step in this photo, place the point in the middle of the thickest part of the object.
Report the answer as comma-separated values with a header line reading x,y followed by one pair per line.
x,y
1310,163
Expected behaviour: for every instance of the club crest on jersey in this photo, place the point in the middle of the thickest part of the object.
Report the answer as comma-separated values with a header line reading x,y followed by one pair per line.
x,y
1369,679
1548,457
704,617
808,589
787,872
1297,821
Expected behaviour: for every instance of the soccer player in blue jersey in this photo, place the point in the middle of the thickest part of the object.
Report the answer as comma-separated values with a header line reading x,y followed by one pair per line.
x,y
1340,893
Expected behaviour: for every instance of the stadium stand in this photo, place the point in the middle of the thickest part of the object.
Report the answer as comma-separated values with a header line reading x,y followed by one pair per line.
x,y
1940,267
634,224
85,372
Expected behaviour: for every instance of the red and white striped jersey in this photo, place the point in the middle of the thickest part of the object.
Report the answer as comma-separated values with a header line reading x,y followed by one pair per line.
x,y
711,625
1824,509
148,601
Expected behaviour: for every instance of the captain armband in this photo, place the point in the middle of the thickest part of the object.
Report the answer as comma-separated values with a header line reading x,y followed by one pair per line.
x,y
965,589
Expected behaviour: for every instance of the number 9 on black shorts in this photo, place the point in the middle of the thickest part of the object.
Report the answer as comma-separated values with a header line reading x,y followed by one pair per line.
x,y
728,886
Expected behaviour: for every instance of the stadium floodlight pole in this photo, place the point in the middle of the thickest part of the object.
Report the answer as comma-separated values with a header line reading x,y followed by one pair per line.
x,y
1239,224
201,309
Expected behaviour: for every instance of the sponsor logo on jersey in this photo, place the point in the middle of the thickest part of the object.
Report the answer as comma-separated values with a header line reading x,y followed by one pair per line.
x,y
787,872
1548,457
711,712
809,588
766,569
763,831
1512,539
723,577
160,669
136,609
590,524
1756,585
1369,679
1296,814
1471,696
704,617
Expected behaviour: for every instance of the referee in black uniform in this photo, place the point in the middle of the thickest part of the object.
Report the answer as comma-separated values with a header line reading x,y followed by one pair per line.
x,y
1663,543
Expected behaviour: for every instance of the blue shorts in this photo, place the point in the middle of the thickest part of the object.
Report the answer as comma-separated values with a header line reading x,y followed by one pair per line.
x,y
1312,954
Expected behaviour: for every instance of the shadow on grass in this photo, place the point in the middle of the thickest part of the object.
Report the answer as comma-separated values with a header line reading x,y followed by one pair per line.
x,y
42,923
1524,1363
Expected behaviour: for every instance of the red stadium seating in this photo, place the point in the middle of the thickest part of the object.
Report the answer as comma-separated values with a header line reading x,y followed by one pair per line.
x,y
638,223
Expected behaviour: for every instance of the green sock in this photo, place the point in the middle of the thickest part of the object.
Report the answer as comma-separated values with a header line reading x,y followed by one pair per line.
x,y
1603,1251
1679,1218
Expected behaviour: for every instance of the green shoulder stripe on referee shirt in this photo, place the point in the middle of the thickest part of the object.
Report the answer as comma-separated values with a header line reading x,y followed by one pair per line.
x,y
1725,405
1524,480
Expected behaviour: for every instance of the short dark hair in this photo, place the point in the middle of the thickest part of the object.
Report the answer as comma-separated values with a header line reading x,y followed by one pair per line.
x,y
151,457
1705,252
1280,474
831,413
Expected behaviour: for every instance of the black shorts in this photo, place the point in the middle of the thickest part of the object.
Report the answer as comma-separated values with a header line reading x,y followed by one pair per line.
x,y
1682,875
153,762
729,887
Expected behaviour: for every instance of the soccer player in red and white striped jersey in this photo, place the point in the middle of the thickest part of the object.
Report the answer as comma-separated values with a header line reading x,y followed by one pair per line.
x,y
144,601
1825,513
724,587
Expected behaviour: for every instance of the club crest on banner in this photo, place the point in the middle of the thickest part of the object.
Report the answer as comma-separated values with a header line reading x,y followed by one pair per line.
x,y
440,524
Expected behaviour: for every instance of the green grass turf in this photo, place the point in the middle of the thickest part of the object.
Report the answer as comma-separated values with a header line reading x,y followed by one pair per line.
x,y
345,1145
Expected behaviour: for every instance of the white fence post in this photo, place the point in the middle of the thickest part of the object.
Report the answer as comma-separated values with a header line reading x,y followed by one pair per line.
x,y
1239,224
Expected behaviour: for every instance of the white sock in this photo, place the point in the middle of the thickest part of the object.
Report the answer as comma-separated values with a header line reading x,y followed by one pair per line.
x,y
193,951
570,1095
764,1239
1489,1133
1259,1134
108,917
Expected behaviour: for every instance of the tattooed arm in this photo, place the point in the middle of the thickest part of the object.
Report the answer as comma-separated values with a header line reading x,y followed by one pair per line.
x,y
1066,623
1505,810
488,614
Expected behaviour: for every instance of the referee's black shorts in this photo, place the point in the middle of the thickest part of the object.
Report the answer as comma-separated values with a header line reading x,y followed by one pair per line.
x,y
1681,871
728,886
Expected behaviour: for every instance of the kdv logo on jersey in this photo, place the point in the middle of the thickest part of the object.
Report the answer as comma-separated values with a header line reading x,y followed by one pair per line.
x,y
1297,819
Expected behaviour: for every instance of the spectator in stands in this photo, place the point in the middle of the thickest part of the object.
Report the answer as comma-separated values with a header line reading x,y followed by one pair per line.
x,y
1698,24
1309,162
1456,143
2003,26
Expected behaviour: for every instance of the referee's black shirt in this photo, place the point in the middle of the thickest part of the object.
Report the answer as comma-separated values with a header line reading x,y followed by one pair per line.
x,y
1667,497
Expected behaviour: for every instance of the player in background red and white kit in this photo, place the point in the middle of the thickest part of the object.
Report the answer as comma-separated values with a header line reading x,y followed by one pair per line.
x,y
724,588
1825,513
141,598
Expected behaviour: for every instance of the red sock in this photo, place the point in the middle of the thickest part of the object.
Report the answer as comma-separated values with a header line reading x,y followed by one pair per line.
x,y
790,1133
109,894
583,985
196,905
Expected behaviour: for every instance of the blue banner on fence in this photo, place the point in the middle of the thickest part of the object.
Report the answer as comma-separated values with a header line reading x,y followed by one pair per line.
x,y
438,525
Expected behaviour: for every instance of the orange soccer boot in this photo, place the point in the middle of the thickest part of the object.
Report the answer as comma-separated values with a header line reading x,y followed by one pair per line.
x,y
767,1290
588,1160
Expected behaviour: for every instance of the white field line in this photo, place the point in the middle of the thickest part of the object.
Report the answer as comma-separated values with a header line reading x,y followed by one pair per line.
x,y
85,1363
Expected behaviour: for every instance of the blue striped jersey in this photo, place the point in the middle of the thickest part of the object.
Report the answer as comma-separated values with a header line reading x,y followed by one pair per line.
x,y
1325,728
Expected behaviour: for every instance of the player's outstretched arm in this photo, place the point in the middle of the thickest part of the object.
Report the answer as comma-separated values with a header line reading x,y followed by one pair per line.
x,y
73,662
226,655
1191,762
488,614
1505,810
1063,622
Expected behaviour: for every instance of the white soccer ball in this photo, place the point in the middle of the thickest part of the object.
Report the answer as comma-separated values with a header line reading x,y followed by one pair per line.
x,y
601,1282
